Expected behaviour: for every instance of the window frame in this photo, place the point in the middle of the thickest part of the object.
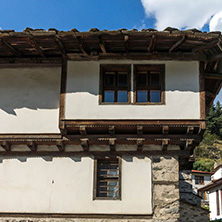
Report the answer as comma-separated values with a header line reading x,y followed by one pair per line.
x,y
95,182
198,178
148,87
114,68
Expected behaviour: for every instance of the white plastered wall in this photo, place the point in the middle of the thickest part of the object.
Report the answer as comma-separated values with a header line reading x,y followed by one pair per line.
x,y
29,100
65,185
181,85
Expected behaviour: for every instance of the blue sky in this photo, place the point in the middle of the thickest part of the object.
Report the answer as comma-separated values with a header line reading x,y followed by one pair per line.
x,y
111,14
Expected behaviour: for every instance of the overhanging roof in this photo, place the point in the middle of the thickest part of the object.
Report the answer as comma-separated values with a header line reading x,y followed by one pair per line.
x,y
43,46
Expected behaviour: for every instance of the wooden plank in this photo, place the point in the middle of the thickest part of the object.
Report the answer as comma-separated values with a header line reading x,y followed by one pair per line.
x,y
213,75
6,45
202,91
177,44
11,62
82,46
205,46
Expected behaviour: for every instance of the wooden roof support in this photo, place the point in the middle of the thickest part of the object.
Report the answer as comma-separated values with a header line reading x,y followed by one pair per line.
x,y
139,130
165,143
188,143
6,145
85,144
165,129
81,45
102,45
111,130
213,75
32,145
152,43
60,45
190,129
177,44
10,48
126,40
112,144
61,146
36,46
206,46
210,94
82,130
139,143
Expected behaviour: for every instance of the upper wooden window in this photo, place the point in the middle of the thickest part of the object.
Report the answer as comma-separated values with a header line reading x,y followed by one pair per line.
x,y
199,180
107,178
149,81
115,84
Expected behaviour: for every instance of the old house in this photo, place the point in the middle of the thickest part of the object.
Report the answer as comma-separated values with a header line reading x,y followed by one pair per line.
x,y
95,126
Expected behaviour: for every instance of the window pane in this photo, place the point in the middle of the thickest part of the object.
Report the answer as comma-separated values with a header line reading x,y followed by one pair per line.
x,y
154,79
122,79
155,96
141,79
141,96
109,96
109,79
122,97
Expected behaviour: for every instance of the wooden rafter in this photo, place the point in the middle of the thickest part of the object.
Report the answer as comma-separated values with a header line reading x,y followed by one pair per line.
x,y
177,44
6,45
111,130
152,43
82,130
213,75
102,45
190,129
85,144
60,145
139,130
81,45
60,45
139,143
165,143
210,94
36,46
112,144
206,46
126,40
165,129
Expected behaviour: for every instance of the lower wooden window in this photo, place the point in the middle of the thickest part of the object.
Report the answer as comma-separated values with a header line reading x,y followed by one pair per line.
x,y
107,179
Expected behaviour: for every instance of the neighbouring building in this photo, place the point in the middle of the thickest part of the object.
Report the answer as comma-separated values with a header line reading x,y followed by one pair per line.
x,y
214,193
199,180
99,126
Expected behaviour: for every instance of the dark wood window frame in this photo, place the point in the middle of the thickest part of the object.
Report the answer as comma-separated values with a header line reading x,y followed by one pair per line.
x,y
218,202
160,68
199,180
102,87
96,178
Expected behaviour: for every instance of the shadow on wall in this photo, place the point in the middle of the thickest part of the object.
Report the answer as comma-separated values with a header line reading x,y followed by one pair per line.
x,y
31,88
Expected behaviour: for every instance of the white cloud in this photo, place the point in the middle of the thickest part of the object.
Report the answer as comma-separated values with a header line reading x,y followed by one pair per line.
x,y
185,13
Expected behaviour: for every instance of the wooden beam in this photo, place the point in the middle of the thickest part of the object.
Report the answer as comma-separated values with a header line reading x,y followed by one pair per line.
x,y
32,145
36,46
111,130
139,143
213,75
165,143
19,62
82,130
126,40
82,46
102,45
165,129
139,130
205,46
61,146
10,48
60,45
178,56
210,94
177,44
85,144
190,129
6,145
202,91
152,44
112,144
